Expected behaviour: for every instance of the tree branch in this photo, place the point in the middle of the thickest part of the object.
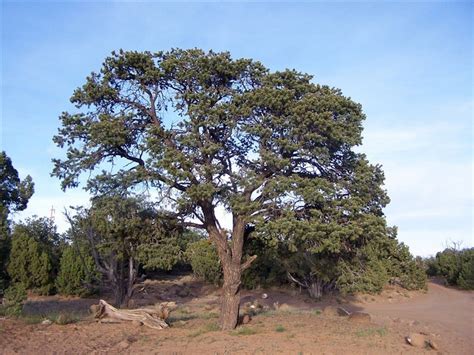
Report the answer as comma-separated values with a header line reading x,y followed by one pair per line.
x,y
248,262
192,224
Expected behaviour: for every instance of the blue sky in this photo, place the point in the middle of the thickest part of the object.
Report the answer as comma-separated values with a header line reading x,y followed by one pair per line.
x,y
408,64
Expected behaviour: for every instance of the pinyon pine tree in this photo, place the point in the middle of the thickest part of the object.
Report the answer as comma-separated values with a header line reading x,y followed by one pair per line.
x,y
210,132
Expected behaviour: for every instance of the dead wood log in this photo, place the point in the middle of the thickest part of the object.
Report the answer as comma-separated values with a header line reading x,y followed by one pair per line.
x,y
153,317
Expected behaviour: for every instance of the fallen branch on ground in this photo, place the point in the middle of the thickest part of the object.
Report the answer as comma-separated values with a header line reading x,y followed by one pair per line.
x,y
153,317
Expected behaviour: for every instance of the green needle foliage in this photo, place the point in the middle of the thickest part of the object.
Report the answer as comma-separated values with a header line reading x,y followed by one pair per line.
x,y
77,272
14,194
34,256
455,265
14,298
210,132
466,274
124,234
202,256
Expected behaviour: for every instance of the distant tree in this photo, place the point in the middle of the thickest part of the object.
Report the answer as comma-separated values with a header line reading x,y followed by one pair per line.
x,y
211,132
448,265
29,264
45,232
123,234
14,194
455,265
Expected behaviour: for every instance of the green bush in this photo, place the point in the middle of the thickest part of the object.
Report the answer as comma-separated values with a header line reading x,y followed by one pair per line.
x,y
414,277
454,265
466,274
404,269
14,297
202,255
77,272
368,277
29,265
266,270
4,252
448,265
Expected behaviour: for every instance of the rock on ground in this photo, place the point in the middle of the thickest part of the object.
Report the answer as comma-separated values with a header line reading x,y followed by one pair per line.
x,y
417,340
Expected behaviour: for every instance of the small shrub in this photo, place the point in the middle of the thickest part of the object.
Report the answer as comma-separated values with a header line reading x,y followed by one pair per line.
x,y
202,256
244,331
15,296
66,318
372,331
280,328
212,327
316,311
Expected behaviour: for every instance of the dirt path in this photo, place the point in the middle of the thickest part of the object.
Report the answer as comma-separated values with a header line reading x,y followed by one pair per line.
x,y
450,312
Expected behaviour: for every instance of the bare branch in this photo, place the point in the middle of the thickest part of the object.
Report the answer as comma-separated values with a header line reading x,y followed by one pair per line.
x,y
248,262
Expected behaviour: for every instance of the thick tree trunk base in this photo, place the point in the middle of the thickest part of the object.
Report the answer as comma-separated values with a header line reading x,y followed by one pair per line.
x,y
230,310
151,317
315,290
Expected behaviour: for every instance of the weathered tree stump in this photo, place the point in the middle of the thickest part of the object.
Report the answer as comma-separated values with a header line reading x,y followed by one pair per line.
x,y
153,317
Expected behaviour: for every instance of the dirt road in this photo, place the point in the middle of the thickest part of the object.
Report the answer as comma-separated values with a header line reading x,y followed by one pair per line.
x,y
450,312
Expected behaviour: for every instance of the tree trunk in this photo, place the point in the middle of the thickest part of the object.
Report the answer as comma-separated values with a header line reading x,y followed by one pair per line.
x,y
315,289
132,276
230,296
230,256
117,287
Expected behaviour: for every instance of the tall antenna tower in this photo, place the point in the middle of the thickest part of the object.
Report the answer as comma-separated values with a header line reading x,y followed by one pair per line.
x,y
52,212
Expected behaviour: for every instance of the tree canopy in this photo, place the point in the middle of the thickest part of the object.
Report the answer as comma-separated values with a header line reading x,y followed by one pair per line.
x,y
14,194
35,253
272,149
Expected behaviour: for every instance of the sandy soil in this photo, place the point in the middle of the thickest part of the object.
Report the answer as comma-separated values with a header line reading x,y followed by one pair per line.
x,y
445,311
444,315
